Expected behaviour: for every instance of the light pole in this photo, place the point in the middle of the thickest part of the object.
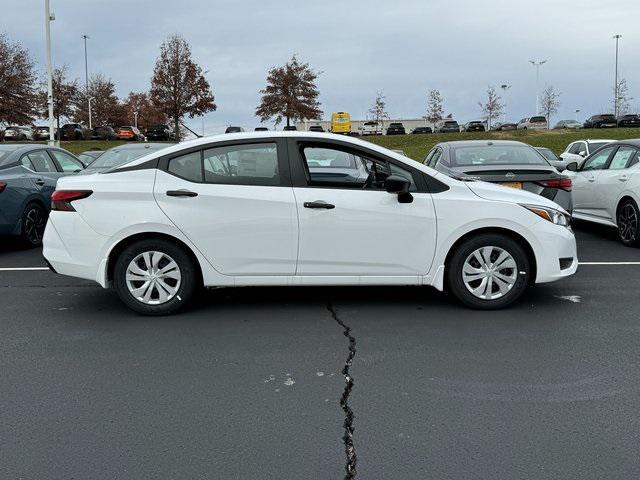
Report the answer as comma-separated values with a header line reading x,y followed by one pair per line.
x,y
89,100
135,119
86,74
616,98
577,112
537,64
48,18
504,88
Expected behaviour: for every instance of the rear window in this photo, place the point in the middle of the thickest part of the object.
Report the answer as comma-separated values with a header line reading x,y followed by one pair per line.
x,y
451,124
5,151
607,117
538,120
495,155
119,156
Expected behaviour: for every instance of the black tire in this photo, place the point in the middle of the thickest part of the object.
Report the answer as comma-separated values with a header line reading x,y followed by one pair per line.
x,y
628,221
34,220
187,270
454,271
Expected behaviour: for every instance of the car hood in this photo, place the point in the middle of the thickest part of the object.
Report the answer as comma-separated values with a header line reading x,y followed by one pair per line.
x,y
500,193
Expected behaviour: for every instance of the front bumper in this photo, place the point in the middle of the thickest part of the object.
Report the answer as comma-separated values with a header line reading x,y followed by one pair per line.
x,y
555,245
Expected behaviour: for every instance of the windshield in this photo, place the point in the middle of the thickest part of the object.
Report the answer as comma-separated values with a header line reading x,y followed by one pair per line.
x,y
451,124
119,156
495,155
538,120
548,154
596,145
5,151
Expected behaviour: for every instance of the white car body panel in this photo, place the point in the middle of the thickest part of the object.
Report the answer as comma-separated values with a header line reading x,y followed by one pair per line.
x,y
252,235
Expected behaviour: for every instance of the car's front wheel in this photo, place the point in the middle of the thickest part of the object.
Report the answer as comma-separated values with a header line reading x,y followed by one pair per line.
x,y
489,271
154,277
628,219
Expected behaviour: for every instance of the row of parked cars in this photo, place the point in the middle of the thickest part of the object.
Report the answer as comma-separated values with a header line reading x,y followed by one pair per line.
x,y
78,131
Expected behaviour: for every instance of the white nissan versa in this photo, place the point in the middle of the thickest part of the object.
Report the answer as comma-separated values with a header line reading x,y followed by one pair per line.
x,y
287,208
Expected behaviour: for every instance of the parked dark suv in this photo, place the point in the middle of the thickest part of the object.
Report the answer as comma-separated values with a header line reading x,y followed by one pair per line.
x,y
160,132
74,131
601,121
103,133
474,126
395,129
629,120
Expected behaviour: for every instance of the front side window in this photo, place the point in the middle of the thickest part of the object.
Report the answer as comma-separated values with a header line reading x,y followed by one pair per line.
x,y
67,162
332,167
622,158
598,160
42,162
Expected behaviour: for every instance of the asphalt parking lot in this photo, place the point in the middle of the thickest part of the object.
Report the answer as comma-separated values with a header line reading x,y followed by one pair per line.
x,y
247,383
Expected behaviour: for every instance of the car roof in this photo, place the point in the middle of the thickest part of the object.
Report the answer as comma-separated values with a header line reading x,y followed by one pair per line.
x,y
138,146
471,143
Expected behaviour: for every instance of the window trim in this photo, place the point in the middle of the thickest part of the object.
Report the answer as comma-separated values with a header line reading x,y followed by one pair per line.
x,y
162,163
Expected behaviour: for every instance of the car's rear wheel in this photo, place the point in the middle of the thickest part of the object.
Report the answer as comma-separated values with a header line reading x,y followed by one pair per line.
x,y
34,220
628,220
489,271
154,277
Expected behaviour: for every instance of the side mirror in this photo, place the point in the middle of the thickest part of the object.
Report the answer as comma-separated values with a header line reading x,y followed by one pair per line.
x,y
583,154
572,166
400,186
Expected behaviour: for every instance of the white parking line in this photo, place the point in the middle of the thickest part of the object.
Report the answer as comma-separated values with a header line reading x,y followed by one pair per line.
x,y
22,269
608,263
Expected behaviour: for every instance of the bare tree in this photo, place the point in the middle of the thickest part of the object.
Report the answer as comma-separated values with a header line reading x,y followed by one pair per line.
x,y
290,94
178,86
147,114
65,94
378,110
624,100
493,107
19,94
549,103
106,108
435,110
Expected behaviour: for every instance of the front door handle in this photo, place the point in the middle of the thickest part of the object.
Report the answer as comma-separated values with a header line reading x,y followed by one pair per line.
x,y
181,193
319,204
39,182
591,179
623,178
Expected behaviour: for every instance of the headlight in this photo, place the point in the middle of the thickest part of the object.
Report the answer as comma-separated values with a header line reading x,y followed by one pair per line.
x,y
552,215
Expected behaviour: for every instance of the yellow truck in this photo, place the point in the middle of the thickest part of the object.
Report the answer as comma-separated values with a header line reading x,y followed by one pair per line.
x,y
340,123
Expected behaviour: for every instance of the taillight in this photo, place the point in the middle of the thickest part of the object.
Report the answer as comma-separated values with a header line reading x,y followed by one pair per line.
x,y
562,183
3,185
61,199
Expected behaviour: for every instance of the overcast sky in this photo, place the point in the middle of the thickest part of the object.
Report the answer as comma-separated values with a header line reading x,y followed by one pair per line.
x,y
403,48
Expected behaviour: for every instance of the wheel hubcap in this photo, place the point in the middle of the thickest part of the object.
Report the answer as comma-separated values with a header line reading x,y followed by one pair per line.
x,y
628,223
34,225
489,273
153,278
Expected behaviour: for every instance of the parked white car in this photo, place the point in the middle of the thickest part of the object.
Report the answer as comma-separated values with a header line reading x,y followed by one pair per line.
x,y
371,128
263,208
533,123
17,133
606,189
577,151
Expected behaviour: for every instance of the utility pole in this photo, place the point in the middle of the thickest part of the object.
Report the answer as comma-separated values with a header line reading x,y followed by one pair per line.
x,y
504,88
48,18
135,119
616,93
537,64
577,112
86,75
90,127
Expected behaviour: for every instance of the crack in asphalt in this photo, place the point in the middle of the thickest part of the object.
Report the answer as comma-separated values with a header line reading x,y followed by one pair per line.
x,y
347,438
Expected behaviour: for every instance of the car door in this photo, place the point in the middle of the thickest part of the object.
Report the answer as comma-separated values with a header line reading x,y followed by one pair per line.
x,y
44,173
612,181
356,228
584,181
234,201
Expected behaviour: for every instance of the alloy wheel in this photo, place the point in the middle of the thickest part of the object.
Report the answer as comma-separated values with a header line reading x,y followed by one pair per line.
x,y
34,224
153,278
489,272
628,223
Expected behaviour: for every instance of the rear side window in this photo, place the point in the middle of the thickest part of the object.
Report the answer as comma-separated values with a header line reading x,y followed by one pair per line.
x,y
67,162
187,166
254,164
575,148
42,162
622,158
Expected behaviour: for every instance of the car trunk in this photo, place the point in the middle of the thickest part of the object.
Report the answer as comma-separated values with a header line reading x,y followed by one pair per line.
x,y
529,178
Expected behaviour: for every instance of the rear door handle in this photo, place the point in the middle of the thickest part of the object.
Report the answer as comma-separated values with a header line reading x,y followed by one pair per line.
x,y
39,182
181,193
592,179
319,204
623,178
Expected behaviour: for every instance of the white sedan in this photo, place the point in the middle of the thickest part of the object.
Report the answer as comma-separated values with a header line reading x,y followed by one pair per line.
x,y
287,208
606,189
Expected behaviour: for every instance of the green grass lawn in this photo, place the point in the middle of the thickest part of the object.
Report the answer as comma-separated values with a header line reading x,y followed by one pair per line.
x,y
417,146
